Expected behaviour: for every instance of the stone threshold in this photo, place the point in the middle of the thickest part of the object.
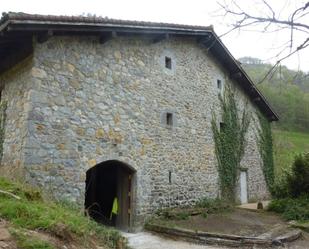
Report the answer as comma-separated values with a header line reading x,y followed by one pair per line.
x,y
207,238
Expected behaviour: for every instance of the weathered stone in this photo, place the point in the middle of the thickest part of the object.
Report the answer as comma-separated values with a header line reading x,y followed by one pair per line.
x,y
38,73
99,133
140,63
80,131
61,146
40,127
92,162
117,55
70,67
75,84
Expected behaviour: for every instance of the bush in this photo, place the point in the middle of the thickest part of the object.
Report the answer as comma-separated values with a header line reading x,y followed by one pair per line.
x,y
292,208
298,180
280,188
294,183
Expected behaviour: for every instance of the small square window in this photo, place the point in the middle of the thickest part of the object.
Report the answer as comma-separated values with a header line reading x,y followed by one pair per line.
x,y
168,62
219,84
169,119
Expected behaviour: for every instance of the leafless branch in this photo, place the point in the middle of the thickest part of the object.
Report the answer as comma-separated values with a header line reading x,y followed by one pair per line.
x,y
300,47
270,21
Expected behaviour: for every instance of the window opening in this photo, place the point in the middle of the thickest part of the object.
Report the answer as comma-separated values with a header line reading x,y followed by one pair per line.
x,y
168,62
169,119
219,84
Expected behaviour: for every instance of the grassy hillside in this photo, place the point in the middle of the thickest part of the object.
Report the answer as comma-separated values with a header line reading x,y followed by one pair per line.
x,y
35,223
287,144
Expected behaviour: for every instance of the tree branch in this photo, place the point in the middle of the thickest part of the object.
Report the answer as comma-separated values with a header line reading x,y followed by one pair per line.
x,y
300,47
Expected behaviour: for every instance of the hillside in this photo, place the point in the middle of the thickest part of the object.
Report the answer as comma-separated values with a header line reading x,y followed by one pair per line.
x,y
29,221
287,144
286,90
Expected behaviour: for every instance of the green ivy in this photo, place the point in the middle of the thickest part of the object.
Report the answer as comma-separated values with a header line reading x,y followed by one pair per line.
x,y
265,146
229,142
3,106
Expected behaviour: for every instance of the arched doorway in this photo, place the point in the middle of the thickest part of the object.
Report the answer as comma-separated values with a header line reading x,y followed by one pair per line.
x,y
108,183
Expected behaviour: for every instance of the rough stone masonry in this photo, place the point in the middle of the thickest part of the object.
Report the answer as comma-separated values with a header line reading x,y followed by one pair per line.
x,y
76,103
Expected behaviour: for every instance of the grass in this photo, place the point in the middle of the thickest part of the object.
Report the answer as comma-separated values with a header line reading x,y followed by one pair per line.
x,y
203,207
32,212
214,206
287,144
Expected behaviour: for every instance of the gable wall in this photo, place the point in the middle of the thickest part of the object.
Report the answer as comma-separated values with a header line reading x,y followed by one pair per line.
x,y
92,102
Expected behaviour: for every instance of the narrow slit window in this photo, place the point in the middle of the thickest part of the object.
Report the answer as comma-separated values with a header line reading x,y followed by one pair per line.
x,y
222,126
219,84
169,119
170,177
168,62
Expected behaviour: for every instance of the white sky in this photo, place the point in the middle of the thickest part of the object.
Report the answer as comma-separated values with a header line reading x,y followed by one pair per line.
x,y
196,12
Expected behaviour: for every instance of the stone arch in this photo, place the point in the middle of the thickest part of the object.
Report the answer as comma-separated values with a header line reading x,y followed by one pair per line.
x,y
109,184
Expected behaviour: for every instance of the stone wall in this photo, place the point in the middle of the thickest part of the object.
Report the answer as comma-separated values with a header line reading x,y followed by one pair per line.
x,y
90,102
16,84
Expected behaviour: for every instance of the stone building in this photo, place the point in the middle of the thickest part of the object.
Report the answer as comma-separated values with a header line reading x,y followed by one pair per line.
x,y
100,108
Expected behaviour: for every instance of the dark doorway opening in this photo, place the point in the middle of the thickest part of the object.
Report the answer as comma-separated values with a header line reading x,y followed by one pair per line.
x,y
108,183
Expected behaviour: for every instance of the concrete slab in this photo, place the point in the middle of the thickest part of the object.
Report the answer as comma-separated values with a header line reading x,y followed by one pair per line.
x,y
253,206
145,240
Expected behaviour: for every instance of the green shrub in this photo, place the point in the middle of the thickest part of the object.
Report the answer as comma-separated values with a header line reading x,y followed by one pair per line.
x,y
291,208
280,188
298,180
293,183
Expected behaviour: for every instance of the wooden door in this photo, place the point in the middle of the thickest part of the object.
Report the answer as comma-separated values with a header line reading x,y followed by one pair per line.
x,y
124,199
243,187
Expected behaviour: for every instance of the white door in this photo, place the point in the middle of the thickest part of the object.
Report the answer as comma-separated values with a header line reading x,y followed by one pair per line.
x,y
243,187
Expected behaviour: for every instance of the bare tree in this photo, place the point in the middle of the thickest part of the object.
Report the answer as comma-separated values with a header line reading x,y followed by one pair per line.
x,y
263,17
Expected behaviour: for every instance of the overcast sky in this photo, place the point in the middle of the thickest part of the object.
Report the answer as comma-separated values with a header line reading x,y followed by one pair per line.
x,y
197,12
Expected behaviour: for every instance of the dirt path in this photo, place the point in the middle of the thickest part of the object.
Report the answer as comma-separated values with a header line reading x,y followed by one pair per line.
x,y
238,222
6,240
